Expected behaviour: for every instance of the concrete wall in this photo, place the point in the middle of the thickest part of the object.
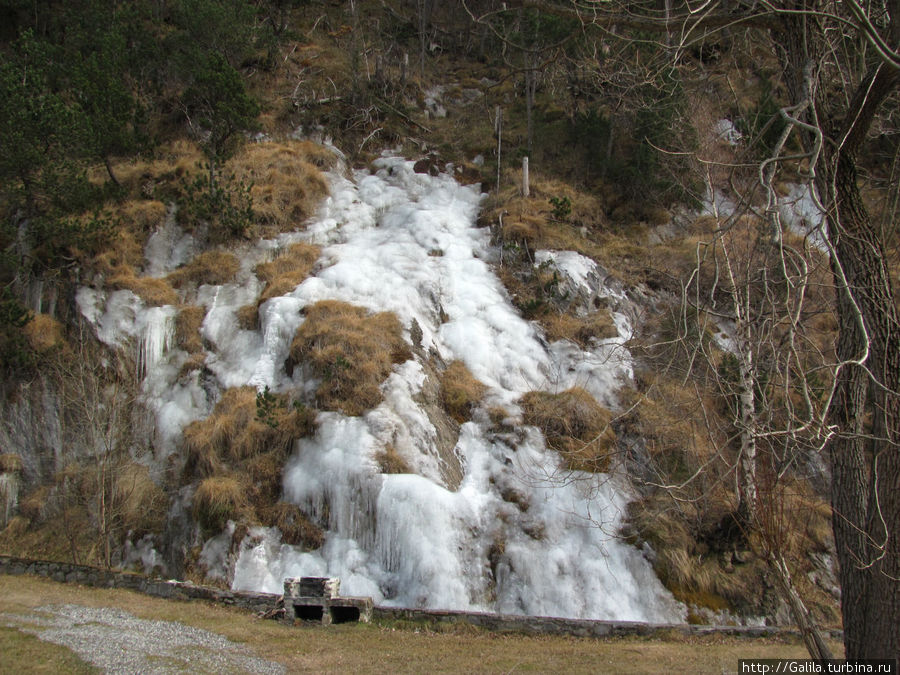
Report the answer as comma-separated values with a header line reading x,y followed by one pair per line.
x,y
264,602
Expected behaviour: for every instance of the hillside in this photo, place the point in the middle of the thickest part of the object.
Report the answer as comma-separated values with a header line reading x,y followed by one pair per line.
x,y
276,302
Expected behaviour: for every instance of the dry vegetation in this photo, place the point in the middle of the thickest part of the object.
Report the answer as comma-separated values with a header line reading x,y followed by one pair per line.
x,y
44,333
235,432
214,267
187,328
287,181
239,453
288,270
217,500
351,351
391,461
10,463
574,425
460,391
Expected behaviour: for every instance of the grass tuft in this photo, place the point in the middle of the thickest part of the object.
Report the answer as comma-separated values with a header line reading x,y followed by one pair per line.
x,y
10,463
391,461
352,352
44,333
575,425
210,267
460,391
187,328
287,181
218,500
287,271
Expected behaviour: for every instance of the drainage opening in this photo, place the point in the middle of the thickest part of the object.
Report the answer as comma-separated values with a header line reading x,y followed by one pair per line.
x,y
309,612
344,614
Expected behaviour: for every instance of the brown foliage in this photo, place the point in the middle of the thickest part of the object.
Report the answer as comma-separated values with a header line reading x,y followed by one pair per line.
x,y
352,352
234,432
210,267
460,391
574,425
187,328
287,180
391,461
44,333
288,270
153,291
218,500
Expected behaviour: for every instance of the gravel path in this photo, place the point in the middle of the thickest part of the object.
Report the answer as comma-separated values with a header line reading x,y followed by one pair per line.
x,y
119,642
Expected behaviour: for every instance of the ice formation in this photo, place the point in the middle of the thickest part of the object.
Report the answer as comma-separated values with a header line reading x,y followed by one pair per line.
x,y
518,534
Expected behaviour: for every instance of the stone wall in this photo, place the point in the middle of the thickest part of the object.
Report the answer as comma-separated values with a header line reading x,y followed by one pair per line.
x,y
176,590
266,603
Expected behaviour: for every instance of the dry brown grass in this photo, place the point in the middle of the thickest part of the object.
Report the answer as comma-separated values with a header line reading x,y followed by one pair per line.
x,y
141,502
218,500
674,424
460,391
530,223
187,328
234,433
581,330
142,215
288,270
296,528
210,267
10,463
248,317
574,425
44,333
287,179
123,252
171,161
391,461
351,350
152,290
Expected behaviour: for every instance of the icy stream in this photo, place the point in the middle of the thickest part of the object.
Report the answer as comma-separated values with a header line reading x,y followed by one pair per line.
x,y
517,535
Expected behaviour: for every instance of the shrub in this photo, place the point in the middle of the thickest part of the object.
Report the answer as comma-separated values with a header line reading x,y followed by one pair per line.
x,y
247,317
141,501
579,329
44,333
287,271
296,528
574,425
210,267
352,352
460,391
216,501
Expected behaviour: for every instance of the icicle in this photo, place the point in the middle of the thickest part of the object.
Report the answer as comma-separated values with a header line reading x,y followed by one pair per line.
x,y
157,334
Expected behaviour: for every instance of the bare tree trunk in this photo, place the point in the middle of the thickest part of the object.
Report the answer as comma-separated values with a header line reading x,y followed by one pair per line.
x,y
812,638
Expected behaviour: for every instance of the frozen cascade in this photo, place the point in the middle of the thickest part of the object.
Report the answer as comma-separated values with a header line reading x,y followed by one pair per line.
x,y
157,333
394,240
404,242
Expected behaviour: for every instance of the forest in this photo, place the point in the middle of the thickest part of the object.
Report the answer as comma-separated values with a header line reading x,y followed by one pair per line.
x,y
685,214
